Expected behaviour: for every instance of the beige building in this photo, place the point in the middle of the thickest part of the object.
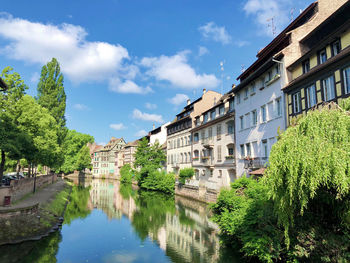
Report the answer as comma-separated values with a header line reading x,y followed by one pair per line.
x,y
104,160
213,150
128,152
179,140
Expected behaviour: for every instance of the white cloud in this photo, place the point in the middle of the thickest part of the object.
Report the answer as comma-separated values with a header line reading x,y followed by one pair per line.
x,y
178,99
141,133
262,10
102,143
214,32
117,126
35,77
241,43
137,114
80,107
127,86
81,60
202,51
150,106
178,72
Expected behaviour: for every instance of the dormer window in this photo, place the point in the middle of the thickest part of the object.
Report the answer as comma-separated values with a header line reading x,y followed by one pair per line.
x,y
252,89
212,115
246,92
306,66
205,117
322,56
221,110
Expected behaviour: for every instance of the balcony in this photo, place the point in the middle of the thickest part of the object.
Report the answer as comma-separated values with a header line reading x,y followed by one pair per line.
x,y
255,162
175,165
208,143
207,161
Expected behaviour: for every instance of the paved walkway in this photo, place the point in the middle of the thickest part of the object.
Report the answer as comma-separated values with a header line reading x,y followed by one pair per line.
x,y
42,196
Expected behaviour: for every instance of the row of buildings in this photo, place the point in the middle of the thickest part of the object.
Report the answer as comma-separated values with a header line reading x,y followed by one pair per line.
x,y
225,136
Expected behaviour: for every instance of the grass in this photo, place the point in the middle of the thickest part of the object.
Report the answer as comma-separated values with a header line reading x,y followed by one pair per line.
x,y
57,206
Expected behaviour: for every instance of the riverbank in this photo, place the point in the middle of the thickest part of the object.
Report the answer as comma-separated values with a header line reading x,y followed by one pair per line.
x,y
36,215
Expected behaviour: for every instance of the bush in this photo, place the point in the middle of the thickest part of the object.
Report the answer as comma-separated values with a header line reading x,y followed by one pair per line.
x,y
186,173
159,181
126,174
245,217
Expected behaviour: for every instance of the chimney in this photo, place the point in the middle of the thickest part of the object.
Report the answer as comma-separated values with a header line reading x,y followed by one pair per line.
x,y
188,101
154,126
233,86
204,91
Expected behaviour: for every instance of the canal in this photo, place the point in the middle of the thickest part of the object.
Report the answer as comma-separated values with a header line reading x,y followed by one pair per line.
x,y
109,222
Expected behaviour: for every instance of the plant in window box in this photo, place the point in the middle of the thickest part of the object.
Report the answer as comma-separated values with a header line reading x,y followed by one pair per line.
x,y
248,158
229,157
205,158
195,158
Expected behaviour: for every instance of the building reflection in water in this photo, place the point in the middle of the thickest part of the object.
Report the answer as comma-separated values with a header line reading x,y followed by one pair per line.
x,y
183,231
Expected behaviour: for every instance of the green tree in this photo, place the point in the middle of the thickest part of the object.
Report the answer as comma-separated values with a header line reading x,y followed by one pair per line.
x,y
126,174
309,170
51,95
72,145
185,174
83,159
12,141
148,159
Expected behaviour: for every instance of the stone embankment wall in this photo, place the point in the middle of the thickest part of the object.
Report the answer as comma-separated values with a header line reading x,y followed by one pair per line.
x,y
20,188
200,193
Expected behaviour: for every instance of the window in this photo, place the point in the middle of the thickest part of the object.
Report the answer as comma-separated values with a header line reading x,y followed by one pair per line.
x,y
218,132
182,142
306,66
238,98
241,121
212,115
242,150
249,153
195,137
221,110
322,56
254,118
246,92
296,102
346,76
328,88
335,48
311,96
230,127
231,150
196,154
231,105
196,122
247,120
264,148
279,107
263,113
219,152
178,143
269,76
205,117
270,110
252,89
203,135
189,157
277,69
210,133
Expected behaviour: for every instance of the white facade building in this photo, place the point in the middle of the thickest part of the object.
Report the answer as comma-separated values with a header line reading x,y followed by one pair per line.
x,y
259,114
158,135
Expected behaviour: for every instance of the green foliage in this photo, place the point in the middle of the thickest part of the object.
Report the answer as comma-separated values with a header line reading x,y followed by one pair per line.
x,y
126,174
245,217
309,169
159,181
148,159
57,206
75,151
186,173
83,159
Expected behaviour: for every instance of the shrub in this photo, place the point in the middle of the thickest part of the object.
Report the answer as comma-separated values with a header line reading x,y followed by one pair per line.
x,y
186,173
159,181
245,217
126,174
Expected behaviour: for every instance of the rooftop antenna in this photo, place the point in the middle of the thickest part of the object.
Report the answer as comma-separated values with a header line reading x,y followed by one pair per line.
x,y
271,24
222,75
242,68
292,14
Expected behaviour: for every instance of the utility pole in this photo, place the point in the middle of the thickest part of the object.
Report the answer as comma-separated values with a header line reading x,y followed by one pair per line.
x,y
271,24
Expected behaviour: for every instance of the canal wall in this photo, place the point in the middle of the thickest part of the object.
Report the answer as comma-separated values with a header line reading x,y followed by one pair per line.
x,y
200,193
19,188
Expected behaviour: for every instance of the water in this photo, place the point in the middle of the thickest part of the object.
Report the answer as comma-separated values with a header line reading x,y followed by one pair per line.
x,y
108,222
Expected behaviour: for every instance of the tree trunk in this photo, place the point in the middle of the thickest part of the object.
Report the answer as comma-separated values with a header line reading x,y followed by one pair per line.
x,y
18,167
29,170
2,165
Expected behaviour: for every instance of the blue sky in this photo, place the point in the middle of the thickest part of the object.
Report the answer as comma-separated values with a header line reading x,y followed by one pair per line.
x,y
131,64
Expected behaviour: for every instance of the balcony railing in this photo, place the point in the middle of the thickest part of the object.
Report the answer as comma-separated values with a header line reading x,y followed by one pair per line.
x,y
255,162
208,143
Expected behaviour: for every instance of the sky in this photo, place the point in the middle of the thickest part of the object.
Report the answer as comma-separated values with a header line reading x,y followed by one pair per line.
x,y
129,64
